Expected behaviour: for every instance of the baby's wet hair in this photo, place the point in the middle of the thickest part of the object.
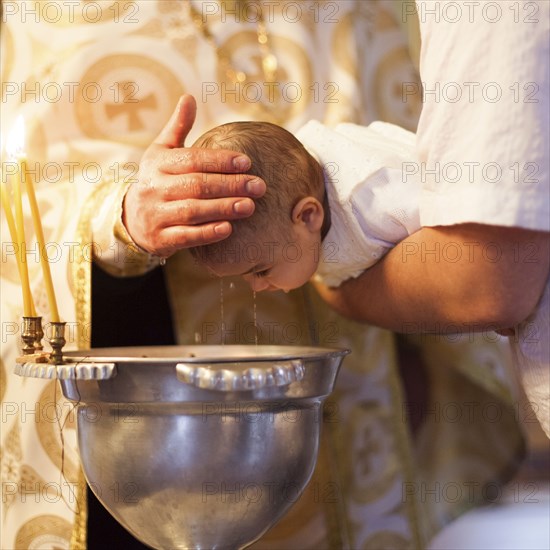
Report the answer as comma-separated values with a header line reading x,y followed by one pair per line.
x,y
288,169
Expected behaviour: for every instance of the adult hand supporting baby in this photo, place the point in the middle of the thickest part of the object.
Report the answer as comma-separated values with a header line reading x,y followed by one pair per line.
x,y
184,196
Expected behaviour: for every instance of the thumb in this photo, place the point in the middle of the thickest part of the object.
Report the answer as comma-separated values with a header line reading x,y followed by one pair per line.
x,y
180,123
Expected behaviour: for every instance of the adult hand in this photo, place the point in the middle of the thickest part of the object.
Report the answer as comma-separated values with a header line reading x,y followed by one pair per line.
x,y
184,197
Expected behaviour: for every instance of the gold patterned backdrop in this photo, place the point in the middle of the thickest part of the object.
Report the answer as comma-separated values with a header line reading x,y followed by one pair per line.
x,y
95,82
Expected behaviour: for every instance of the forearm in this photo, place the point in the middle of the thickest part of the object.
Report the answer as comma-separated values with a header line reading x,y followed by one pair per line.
x,y
456,278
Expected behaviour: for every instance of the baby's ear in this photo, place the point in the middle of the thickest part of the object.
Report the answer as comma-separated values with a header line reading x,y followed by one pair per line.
x,y
309,212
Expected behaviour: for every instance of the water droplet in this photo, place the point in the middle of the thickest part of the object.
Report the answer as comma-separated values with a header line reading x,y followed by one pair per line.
x,y
255,319
222,323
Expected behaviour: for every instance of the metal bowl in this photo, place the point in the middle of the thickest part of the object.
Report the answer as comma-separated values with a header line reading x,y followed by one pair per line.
x,y
198,446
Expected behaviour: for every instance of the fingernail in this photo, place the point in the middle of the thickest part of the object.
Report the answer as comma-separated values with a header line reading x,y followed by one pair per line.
x,y
255,187
222,229
243,207
241,163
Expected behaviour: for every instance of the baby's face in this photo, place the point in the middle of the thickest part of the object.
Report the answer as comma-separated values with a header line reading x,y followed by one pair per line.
x,y
272,264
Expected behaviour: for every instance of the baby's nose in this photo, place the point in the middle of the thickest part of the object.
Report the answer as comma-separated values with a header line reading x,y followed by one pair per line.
x,y
260,284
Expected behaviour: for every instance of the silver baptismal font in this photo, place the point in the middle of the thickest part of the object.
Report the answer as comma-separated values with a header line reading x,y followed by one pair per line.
x,y
208,446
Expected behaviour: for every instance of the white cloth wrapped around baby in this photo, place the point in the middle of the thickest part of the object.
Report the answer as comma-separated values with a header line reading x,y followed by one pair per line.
x,y
372,191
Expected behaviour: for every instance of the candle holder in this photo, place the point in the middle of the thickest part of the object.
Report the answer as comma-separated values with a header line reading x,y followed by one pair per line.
x,y
32,335
57,341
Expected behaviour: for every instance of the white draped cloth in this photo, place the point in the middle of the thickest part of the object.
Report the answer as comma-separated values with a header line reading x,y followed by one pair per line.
x,y
372,205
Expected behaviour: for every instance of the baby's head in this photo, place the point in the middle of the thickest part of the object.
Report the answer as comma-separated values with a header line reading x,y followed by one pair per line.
x,y
277,248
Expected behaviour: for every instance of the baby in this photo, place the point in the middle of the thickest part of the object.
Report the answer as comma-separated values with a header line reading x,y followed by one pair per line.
x,y
336,202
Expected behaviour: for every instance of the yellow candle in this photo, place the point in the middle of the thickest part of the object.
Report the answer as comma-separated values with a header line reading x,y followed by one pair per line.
x,y
44,262
28,303
13,230
9,214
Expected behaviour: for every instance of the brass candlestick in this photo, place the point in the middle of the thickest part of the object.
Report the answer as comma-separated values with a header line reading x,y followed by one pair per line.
x,y
57,341
32,335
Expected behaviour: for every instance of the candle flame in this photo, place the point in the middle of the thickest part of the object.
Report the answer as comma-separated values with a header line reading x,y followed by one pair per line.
x,y
15,145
